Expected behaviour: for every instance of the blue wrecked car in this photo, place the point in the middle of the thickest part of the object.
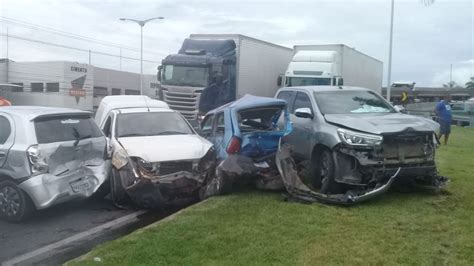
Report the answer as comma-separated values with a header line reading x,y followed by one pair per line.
x,y
246,135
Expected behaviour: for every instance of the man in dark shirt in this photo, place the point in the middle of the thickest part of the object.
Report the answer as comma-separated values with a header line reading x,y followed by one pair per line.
x,y
443,112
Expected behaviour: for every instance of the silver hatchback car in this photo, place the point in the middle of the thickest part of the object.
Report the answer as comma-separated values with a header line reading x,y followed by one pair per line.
x,y
48,156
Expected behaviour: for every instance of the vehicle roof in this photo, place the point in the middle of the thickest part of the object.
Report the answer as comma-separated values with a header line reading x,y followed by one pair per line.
x,y
32,112
116,102
144,110
250,101
326,88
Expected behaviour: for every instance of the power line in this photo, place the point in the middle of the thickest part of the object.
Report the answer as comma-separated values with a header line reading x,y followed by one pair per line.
x,y
75,48
70,35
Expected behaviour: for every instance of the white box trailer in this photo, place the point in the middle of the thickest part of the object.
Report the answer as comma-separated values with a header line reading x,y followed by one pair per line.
x,y
221,68
334,62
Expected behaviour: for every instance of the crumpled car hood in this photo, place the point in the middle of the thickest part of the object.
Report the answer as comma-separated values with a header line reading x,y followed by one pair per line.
x,y
166,148
378,123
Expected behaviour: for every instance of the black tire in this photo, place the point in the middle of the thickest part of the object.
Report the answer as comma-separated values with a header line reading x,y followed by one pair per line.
x,y
15,205
117,191
325,168
102,192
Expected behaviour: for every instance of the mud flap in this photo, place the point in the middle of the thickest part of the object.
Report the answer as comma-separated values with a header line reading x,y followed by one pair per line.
x,y
297,190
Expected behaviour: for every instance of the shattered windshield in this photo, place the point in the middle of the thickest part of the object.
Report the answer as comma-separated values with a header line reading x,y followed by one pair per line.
x,y
151,124
185,76
345,102
300,81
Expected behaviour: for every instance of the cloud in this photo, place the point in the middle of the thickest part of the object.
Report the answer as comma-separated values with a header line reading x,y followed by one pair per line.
x,y
462,72
427,39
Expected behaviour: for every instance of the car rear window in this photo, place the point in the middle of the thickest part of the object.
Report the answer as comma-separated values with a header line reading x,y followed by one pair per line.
x,y
65,128
259,119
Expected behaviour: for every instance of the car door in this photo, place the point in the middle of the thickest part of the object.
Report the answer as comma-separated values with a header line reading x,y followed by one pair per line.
x,y
300,138
7,132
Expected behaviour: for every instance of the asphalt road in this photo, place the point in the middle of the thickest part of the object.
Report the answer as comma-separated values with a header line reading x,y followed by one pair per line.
x,y
57,223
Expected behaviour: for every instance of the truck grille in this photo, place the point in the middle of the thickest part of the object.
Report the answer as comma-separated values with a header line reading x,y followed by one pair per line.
x,y
171,167
187,103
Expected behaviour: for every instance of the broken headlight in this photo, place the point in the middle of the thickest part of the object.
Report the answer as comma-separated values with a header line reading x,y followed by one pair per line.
x,y
358,139
147,166
37,162
208,160
119,159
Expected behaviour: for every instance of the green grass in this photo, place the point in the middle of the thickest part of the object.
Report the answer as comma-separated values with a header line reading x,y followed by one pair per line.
x,y
259,228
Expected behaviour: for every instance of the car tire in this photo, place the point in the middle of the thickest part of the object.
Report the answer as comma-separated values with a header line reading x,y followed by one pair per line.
x,y
325,169
15,204
117,191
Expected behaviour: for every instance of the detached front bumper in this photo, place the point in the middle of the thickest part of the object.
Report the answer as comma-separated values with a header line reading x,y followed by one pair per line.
x,y
46,190
299,191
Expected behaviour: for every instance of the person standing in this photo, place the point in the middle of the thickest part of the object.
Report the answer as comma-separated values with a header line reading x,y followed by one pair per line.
x,y
443,112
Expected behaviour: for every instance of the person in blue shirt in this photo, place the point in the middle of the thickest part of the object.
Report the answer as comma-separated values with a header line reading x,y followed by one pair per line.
x,y
443,112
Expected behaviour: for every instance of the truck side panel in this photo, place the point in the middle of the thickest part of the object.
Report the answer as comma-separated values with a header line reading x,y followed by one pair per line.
x,y
259,65
361,70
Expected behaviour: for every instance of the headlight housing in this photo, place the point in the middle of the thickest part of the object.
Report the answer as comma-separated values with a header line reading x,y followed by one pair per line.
x,y
119,159
359,139
208,160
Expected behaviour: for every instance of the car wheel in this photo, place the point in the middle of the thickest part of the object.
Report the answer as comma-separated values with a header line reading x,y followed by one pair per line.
x,y
15,205
325,172
117,191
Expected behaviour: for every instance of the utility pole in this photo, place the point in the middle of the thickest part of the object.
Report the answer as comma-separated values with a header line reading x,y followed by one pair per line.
x,y
120,58
89,56
389,76
141,23
451,76
7,69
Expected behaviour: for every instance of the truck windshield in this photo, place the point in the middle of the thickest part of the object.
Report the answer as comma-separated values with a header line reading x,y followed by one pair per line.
x,y
151,124
303,81
345,102
185,76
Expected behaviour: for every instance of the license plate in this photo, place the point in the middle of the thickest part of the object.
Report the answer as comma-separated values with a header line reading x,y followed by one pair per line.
x,y
81,185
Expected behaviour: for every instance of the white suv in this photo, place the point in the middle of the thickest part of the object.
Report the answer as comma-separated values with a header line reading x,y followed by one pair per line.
x,y
48,156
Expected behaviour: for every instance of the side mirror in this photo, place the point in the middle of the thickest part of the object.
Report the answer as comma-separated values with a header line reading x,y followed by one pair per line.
x,y
159,73
400,109
304,113
279,80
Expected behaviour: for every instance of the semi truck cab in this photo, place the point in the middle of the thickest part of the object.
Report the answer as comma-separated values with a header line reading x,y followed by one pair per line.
x,y
314,68
199,78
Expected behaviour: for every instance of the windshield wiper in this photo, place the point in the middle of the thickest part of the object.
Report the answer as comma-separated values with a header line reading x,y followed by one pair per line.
x,y
131,135
172,133
78,137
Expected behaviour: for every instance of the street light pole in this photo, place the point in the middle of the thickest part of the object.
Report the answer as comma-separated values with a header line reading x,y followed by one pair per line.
x,y
389,75
141,23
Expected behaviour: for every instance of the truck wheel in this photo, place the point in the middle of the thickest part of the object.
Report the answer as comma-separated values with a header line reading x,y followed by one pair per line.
x,y
117,191
325,172
15,205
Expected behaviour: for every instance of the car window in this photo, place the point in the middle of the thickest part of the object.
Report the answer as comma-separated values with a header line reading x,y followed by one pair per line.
x,y
288,97
65,128
151,124
5,129
206,126
220,124
259,119
353,101
302,101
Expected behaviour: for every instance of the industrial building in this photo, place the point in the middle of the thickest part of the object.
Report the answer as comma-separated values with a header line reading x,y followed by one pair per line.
x,y
67,84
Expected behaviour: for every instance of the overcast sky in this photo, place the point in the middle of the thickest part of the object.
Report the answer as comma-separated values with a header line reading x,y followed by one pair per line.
x,y
427,39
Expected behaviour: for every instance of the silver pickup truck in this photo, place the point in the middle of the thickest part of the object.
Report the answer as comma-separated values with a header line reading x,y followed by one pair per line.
x,y
353,141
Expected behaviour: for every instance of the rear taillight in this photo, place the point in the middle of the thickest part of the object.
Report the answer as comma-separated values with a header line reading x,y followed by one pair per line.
x,y
37,162
234,145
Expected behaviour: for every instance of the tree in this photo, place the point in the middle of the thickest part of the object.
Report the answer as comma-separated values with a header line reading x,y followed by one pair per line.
x,y
451,85
470,84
